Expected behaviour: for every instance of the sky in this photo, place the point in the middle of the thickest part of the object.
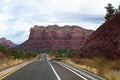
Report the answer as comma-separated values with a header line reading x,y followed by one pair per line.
x,y
18,16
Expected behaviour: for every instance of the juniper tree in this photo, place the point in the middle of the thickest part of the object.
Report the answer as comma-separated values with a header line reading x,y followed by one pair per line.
x,y
110,11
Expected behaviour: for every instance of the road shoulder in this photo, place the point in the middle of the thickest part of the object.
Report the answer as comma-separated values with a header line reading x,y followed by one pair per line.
x,y
82,72
13,69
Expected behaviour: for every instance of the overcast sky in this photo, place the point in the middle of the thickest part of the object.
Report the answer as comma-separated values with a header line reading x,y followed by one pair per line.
x,y
18,16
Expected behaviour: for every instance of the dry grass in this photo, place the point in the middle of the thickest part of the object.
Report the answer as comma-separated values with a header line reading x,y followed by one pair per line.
x,y
99,66
6,64
9,63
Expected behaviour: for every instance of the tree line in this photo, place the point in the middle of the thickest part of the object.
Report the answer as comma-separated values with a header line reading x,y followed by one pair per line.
x,y
63,53
17,54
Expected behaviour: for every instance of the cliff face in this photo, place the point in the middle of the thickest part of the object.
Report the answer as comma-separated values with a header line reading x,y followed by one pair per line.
x,y
54,37
105,41
6,43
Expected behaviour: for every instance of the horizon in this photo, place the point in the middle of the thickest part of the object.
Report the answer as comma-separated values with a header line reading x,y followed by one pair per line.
x,y
18,16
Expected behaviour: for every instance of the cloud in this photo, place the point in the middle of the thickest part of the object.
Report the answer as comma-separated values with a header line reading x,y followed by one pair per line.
x,y
18,16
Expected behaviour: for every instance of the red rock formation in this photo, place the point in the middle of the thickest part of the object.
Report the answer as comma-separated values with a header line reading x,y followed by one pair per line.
x,y
6,43
54,37
105,41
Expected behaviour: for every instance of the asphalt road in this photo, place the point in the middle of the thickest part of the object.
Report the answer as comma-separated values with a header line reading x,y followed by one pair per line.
x,y
50,70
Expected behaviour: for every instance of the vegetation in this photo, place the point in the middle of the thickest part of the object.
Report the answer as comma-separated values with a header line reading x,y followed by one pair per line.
x,y
9,63
14,57
100,66
17,54
63,53
111,11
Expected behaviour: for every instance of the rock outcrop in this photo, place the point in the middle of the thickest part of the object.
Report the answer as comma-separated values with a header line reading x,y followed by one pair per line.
x,y
6,43
105,41
54,37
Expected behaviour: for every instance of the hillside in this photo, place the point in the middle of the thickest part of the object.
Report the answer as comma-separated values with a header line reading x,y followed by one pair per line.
x,y
6,43
105,41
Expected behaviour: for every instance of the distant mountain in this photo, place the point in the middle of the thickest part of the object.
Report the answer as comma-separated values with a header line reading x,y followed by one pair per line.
x,y
105,41
53,37
16,45
6,43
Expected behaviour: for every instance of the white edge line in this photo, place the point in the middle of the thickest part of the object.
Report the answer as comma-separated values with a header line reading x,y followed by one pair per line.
x,y
80,72
73,72
85,71
54,71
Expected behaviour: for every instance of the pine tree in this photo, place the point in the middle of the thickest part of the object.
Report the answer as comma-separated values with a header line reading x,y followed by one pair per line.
x,y
110,11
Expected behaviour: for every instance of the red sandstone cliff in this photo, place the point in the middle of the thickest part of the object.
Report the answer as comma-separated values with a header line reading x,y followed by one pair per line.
x,y
54,37
6,43
105,41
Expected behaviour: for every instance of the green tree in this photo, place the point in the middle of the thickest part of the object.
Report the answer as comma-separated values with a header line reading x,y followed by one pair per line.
x,y
72,53
110,11
5,51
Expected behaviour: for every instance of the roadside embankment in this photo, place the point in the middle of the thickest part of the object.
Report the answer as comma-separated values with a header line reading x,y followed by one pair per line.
x,y
11,66
100,66
10,63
